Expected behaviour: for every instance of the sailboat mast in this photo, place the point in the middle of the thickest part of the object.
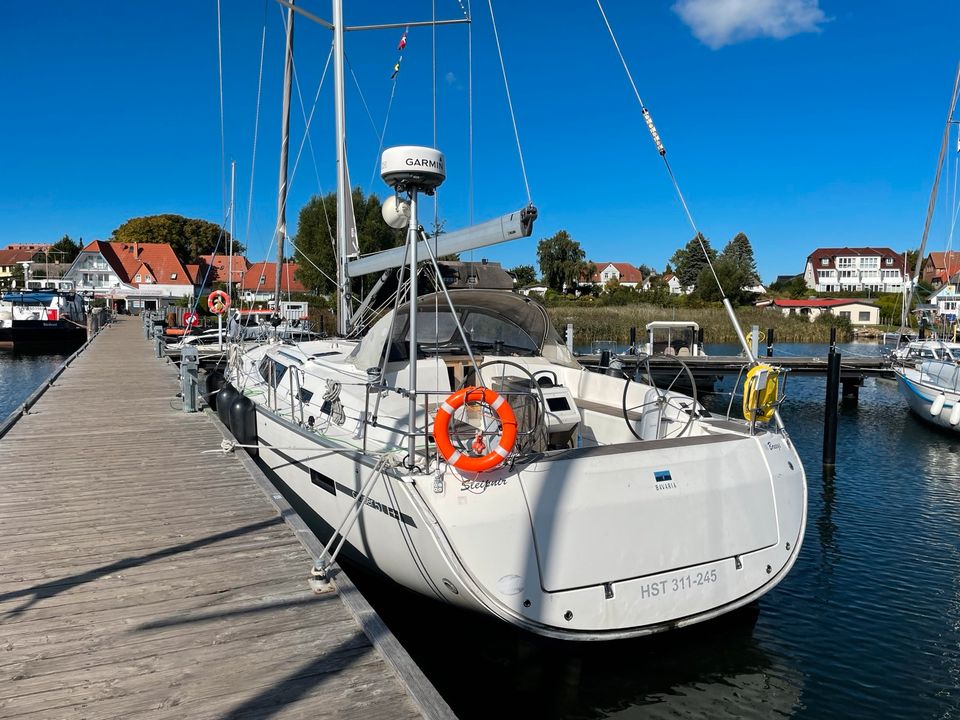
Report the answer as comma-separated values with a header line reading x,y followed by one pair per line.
x,y
343,188
933,193
284,153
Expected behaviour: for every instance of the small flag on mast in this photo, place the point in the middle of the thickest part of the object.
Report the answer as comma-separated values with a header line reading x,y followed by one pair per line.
x,y
396,69
403,41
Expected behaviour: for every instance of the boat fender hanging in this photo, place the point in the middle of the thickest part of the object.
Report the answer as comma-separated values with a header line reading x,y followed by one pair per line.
x,y
760,392
225,398
508,431
937,405
955,414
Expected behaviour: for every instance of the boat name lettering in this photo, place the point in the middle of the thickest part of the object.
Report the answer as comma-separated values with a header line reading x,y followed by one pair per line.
x,y
664,480
481,485
774,446
371,503
701,578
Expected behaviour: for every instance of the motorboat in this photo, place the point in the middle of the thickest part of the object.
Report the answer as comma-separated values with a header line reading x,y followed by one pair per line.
x,y
49,319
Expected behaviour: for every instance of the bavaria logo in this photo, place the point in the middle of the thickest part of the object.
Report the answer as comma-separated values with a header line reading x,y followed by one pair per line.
x,y
663,479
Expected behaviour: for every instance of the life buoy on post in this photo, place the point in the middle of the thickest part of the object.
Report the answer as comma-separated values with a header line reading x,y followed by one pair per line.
x,y
508,432
218,302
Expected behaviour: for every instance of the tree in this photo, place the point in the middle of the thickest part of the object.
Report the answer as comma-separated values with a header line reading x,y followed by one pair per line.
x,y
562,261
690,260
65,250
740,252
524,274
316,232
190,238
732,278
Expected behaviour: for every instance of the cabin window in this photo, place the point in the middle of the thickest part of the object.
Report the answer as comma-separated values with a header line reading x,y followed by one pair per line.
x,y
864,316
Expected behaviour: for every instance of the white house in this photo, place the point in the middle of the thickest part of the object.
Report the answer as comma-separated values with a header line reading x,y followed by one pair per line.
x,y
858,312
135,276
947,299
837,270
624,273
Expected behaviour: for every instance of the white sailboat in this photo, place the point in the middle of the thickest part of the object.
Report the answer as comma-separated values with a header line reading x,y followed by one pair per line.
x,y
928,372
464,453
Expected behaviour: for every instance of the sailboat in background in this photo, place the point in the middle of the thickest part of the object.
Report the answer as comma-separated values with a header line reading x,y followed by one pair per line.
x,y
929,373
459,449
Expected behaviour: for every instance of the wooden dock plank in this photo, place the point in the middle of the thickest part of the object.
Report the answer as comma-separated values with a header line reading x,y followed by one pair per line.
x,y
144,574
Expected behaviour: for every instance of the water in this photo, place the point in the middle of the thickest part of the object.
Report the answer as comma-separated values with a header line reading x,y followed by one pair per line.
x,y
21,374
867,624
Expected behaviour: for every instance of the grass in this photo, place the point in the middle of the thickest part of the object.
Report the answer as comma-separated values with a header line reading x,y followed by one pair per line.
x,y
614,323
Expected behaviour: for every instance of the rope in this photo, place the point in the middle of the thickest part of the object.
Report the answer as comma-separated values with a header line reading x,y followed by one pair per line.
x,y
513,119
648,119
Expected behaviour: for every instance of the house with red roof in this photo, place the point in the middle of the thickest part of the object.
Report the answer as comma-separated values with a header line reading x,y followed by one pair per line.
x,y
132,276
260,281
624,273
939,267
837,270
858,312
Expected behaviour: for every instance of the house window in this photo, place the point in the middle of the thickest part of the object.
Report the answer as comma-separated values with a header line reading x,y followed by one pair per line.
x,y
864,316
845,262
173,276
869,262
137,278
824,261
845,314
263,279
888,261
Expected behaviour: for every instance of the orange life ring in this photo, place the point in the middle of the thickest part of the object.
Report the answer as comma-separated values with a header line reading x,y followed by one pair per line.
x,y
508,434
218,302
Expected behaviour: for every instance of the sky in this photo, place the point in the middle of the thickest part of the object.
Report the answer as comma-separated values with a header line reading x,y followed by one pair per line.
x,y
802,123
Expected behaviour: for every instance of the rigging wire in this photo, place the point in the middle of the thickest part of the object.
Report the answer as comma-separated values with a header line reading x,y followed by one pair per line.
x,y
223,144
506,85
363,99
648,119
256,124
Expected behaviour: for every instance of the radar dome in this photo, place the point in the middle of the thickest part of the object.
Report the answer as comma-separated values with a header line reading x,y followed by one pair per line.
x,y
413,167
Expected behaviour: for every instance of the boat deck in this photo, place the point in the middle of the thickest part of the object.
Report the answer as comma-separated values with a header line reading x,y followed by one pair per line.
x,y
144,576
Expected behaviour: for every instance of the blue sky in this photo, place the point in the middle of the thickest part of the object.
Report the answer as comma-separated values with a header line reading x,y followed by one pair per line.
x,y
802,123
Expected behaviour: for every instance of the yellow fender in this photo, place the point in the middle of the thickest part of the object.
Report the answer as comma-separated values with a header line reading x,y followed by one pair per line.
x,y
761,390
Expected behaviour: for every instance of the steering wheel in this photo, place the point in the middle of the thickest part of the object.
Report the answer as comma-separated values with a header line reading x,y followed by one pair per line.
x,y
666,397
541,401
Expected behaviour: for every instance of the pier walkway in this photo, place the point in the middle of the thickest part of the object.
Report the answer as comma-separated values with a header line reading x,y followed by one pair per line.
x,y
141,577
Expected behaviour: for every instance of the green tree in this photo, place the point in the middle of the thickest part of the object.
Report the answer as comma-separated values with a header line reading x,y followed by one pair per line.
x,y
732,278
689,260
794,287
740,252
316,231
65,250
191,239
525,275
562,261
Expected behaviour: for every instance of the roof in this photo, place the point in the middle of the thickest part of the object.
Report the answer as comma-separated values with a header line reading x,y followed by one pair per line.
x,y
628,273
939,260
830,254
12,257
268,272
156,263
819,302
220,266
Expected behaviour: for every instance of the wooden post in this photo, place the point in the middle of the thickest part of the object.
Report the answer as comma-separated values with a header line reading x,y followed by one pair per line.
x,y
831,403
633,340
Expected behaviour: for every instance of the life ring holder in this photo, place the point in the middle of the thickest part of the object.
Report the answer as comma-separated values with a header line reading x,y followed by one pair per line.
x,y
508,424
218,302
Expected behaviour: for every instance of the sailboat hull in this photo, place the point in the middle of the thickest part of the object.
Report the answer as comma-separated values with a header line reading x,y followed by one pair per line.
x,y
564,545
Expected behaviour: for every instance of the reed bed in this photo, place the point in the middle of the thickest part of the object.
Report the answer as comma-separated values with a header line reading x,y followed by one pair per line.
x,y
614,323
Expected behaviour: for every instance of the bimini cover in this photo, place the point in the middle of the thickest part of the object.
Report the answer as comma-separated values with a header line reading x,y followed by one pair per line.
x,y
488,317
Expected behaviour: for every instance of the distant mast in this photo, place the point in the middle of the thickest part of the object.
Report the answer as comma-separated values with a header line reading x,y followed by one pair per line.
x,y
284,152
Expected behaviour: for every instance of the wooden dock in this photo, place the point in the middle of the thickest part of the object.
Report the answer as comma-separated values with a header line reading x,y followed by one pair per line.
x,y
143,576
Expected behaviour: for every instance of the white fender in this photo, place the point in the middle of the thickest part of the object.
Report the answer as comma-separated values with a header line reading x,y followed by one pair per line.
x,y
955,414
937,405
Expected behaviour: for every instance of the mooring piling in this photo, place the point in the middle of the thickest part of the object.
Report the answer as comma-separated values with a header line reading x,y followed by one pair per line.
x,y
831,403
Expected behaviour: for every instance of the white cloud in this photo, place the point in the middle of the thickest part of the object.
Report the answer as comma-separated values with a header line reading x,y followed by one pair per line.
x,y
716,23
